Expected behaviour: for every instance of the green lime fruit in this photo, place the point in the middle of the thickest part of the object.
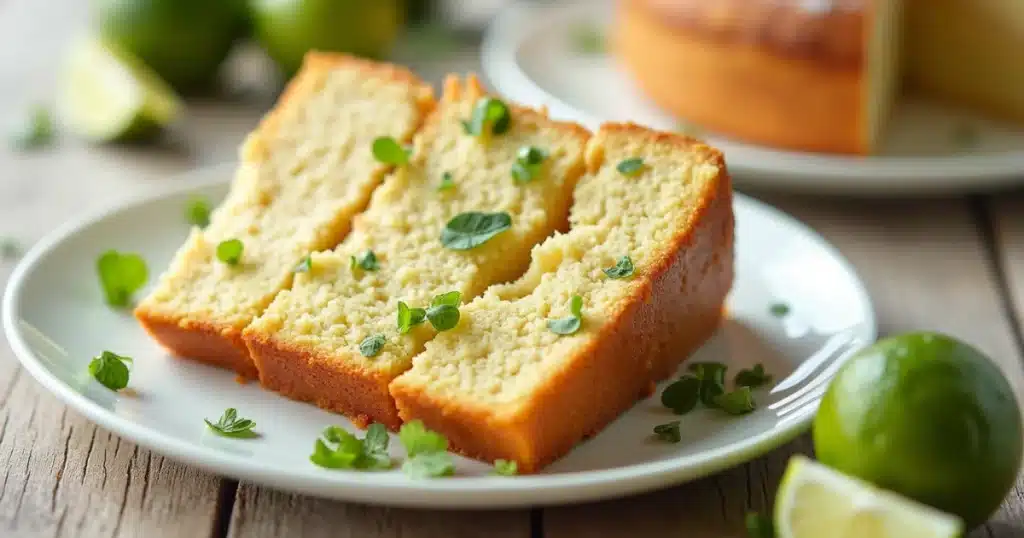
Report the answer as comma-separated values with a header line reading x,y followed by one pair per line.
x,y
288,29
928,417
184,41
106,95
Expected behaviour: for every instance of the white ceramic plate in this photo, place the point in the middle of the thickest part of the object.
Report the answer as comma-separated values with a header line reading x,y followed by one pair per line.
x,y
56,321
529,56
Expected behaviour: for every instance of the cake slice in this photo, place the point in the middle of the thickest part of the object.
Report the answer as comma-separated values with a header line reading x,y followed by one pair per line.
x,y
304,173
504,385
333,338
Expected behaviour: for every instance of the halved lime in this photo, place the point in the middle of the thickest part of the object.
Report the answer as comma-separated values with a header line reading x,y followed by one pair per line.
x,y
815,501
108,95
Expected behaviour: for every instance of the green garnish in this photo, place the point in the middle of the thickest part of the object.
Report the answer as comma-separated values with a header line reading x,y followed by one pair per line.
x,y
759,526
630,167
305,265
427,451
367,261
529,164
472,229
753,378
409,317
587,39
371,345
389,151
443,312
230,251
35,129
9,249
230,425
339,449
506,467
779,310
622,268
572,323
668,432
737,402
712,380
447,182
198,212
489,116
121,275
111,370
682,396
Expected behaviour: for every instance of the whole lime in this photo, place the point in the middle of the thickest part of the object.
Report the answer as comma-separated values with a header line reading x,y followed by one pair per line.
x,y
926,416
288,29
184,41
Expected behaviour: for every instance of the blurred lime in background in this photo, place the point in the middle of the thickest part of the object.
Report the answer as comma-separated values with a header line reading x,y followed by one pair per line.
x,y
287,29
927,416
183,41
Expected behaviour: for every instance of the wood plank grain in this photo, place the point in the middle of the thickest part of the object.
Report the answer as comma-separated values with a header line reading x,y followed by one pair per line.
x,y
265,513
926,267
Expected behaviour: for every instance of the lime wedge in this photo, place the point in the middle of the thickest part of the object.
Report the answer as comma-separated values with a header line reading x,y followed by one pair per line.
x,y
815,501
108,95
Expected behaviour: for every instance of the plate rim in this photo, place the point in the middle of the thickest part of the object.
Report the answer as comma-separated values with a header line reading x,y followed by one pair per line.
x,y
461,493
790,170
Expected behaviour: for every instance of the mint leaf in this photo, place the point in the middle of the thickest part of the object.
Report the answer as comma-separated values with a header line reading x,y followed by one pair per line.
x,y
682,396
489,115
668,432
506,467
121,275
630,167
529,164
230,251
429,465
472,229
571,324
737,402
443,313
388,151
367,261
111,370
375,448
409,317
371,345
753,378
417,439
198,212
339,449
229,425
779,310
622,269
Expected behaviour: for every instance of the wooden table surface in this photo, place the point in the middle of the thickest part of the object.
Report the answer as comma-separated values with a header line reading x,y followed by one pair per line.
x,y
953,264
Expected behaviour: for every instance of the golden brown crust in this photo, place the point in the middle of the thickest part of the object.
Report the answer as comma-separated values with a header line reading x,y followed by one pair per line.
x,y
739,86
329,382
676,309
200,341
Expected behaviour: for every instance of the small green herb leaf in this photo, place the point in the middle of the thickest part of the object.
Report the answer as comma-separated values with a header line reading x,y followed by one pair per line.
x,y
737,402
682,396
367,261
779,310
452,298
529,164
712,380
668,432
429,465
111,370
371,345
587,39
409,317
753,378
490,115
121,275
472,229
759,526
198,212
230,251
339,449
443,313
375,448
447,182
506,467
9,249
230,425
34,130
572,323
622,268
417,439
389,151
630,167
305,265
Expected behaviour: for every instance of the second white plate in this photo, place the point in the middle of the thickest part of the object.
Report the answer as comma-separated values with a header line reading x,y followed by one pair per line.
x,y
56,320
529,56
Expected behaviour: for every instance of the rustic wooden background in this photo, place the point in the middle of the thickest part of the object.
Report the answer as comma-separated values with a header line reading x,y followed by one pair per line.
x,y
954,264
